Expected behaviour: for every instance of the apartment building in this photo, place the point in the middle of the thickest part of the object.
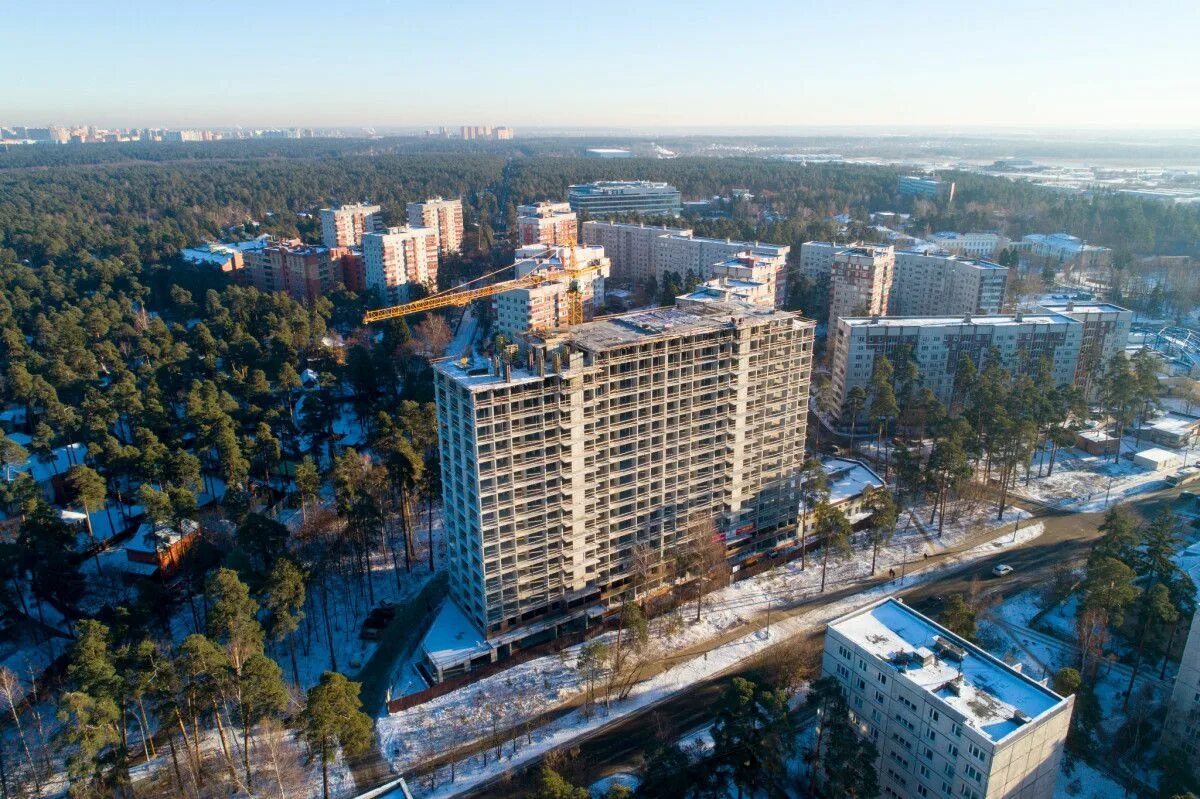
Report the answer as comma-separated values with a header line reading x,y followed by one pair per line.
x,y
609,197
574,276
948,719
630,247
1181,729
860,281
816,258
398,257
546,223
612,437
305,272
445,216
642,252
1106,330
937,343
344,225
969,245
937,284
761,275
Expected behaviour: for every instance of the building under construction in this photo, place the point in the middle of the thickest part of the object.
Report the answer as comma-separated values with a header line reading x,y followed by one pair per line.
x,y
600,444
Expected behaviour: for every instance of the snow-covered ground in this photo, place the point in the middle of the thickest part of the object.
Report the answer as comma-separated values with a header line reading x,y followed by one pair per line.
x,y
1078,780
407,738
1083,482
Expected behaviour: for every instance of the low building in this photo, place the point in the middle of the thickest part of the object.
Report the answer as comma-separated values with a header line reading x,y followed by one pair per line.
x,y
1158,460
848,483
969,245
161,547
925,188
947,718
1174,430
1097,442
1062,249
724,289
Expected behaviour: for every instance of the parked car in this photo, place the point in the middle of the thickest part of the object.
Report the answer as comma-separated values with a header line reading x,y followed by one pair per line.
x,y
1002,570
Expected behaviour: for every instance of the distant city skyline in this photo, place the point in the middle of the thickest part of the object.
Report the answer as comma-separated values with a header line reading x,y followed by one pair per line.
x,y
774,64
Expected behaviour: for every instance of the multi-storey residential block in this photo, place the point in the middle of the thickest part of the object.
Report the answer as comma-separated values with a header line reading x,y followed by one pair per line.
x,y
303,271
936,284
948,719
546,223
397,258
925,188
629,246
816,258
760,273
609,197
446,216
345,225
860,281
604,443
937,344
573,275
969,245
1105,333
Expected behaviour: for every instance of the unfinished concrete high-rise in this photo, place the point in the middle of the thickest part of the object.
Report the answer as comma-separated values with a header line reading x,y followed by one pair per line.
x,y
602,444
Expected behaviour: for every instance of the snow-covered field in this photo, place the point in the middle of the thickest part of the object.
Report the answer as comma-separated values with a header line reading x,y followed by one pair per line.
x,y
407,738
1078,780
1083,482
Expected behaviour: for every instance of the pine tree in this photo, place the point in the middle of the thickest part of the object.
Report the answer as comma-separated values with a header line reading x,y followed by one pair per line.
x,y
332,719
285,597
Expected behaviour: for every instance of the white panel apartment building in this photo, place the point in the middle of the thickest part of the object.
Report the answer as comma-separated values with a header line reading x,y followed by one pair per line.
x,y
546,306
639,252
446,216
938,342
948,719
860,281
969,245
546,223
937,284
612,435
1105,333
398,257
344,225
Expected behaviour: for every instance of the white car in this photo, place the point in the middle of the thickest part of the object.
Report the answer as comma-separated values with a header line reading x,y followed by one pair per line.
x,y
1002,570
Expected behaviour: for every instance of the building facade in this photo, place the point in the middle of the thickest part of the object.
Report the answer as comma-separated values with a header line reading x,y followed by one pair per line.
x,y
936,284
938,343
398,257
630,247
573,275
344,225
816,258
610,197
612,437
969,245
305,272
860,281
925,188
546,223
1106,330
948,719
445,216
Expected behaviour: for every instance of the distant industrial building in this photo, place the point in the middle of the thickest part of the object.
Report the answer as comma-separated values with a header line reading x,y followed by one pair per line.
x,y
546,223
860,282
446,216
926,188
610,439
927,284
947,718
937,344
610,197
344,225
398,257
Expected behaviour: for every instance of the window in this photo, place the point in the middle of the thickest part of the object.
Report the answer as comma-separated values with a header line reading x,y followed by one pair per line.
x,y
975,751
934,716
974,774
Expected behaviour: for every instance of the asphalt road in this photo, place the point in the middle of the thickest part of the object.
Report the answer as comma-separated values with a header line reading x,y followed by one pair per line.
x,y
1067,539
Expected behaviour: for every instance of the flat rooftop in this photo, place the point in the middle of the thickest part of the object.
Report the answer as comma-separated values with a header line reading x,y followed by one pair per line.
x,y
990,696
957,321
671,321
848,478
1085,307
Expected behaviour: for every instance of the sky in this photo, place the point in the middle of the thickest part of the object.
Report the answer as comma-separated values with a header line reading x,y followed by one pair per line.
x,y
612,64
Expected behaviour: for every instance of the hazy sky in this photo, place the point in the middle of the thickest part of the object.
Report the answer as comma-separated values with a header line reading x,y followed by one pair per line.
x,y
1077,63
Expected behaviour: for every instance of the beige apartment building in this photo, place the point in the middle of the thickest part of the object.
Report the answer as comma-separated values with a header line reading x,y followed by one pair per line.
x,y
344,225
398,257
445,216
613,437
546,223
1106,330
938,284
948,719
573,275
288,265
860,281
937,343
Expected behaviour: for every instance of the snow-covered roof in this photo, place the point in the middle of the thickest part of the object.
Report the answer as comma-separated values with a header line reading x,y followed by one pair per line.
x,y
452,638
42,471
984,692
1174,423
1158,455
849,478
